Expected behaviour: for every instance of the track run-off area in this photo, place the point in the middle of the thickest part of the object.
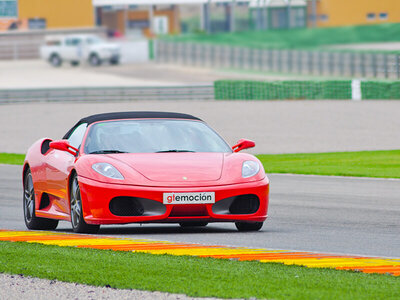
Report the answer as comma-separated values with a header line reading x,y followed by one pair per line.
x,y
308,259
354,216
317,221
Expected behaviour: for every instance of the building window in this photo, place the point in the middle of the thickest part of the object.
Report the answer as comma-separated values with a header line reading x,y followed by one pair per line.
x,y
8,8
37,23
383,16
371,16
324,18
298,17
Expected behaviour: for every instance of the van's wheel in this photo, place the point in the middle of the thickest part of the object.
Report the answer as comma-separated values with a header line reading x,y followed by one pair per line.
x,y
74,63
78,223
94,60
55,60
114,61
193,224
246,226
31,221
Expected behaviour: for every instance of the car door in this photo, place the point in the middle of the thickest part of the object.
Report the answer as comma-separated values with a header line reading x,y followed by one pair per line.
x,y
59,165
73,49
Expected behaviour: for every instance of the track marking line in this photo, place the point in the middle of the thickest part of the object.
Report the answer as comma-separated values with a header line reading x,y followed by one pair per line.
x,y
376,265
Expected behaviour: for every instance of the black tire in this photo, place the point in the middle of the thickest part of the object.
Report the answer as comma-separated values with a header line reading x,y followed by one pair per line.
x,y
193,224
246,226
114,61
55,60
31,221
94,60
77,221
74,63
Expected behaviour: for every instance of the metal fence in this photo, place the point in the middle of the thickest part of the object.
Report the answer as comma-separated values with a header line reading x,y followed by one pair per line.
x,y
317,63
201,92
18,49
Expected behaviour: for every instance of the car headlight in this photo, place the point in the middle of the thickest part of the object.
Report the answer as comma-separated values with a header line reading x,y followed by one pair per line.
x,y
250,168
107,170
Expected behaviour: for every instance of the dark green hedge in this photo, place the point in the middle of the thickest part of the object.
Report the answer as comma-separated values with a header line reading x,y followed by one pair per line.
x,y
264,90
310,90
380,89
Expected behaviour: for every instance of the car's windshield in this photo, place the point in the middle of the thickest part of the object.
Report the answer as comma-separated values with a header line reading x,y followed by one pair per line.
x,y
155,135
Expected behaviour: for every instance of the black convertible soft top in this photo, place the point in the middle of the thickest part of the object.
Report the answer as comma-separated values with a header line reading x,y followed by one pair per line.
x,y
130,115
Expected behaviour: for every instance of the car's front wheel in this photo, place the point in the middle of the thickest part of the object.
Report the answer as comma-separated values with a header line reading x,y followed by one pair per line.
x,y
78,223
246,226
31,221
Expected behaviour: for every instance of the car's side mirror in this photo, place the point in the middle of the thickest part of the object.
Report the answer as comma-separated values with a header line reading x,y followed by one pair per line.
x,y
64,145
243,144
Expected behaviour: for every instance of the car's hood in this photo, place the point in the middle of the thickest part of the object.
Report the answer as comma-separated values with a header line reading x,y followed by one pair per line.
x,y
171,169
175,167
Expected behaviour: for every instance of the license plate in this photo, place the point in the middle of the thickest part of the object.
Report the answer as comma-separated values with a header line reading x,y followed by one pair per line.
x,y
189,198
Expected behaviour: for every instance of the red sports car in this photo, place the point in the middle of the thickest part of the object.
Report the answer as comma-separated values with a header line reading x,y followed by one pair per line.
x,y
142,167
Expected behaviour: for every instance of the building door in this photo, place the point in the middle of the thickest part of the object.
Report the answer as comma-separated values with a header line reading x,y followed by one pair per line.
x,y
278,18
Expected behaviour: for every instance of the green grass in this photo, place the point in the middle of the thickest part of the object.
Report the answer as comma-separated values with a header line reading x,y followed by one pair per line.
x,y
201,277
300,38
12,158
385,164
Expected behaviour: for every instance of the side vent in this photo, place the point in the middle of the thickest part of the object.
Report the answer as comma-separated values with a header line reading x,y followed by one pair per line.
x,y
45,201
45,146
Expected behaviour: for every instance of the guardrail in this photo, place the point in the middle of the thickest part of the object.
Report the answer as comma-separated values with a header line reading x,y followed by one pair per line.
x,y
315,63
200,92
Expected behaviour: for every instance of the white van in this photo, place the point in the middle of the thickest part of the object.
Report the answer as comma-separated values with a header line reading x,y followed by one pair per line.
x,y
79,48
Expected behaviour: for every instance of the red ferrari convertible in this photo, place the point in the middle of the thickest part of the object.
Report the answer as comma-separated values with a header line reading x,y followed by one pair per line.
x,y
142,167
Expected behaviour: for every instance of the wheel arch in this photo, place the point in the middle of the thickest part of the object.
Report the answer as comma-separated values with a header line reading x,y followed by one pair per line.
x,y
70,177
25,169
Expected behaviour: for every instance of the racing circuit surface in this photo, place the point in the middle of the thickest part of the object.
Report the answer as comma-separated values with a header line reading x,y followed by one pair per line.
x,y
310,213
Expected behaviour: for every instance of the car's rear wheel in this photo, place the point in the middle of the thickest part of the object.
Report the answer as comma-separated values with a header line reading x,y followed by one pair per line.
x,y
94,60
193,224
246,226
31,221
55,60
78,223
114,61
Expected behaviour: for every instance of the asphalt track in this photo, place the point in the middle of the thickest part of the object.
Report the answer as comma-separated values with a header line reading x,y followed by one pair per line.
x,y
275,126
309,213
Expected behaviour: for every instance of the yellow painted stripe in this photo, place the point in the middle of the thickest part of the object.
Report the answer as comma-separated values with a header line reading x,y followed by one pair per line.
x,y
198,251
88,242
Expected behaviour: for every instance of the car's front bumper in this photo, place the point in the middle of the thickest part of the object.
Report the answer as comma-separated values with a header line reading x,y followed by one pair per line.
x,y
96,197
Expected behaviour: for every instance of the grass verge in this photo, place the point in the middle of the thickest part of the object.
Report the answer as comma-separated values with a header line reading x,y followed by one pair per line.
x,y
383,164
305,38
194,276
379,164
12,159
